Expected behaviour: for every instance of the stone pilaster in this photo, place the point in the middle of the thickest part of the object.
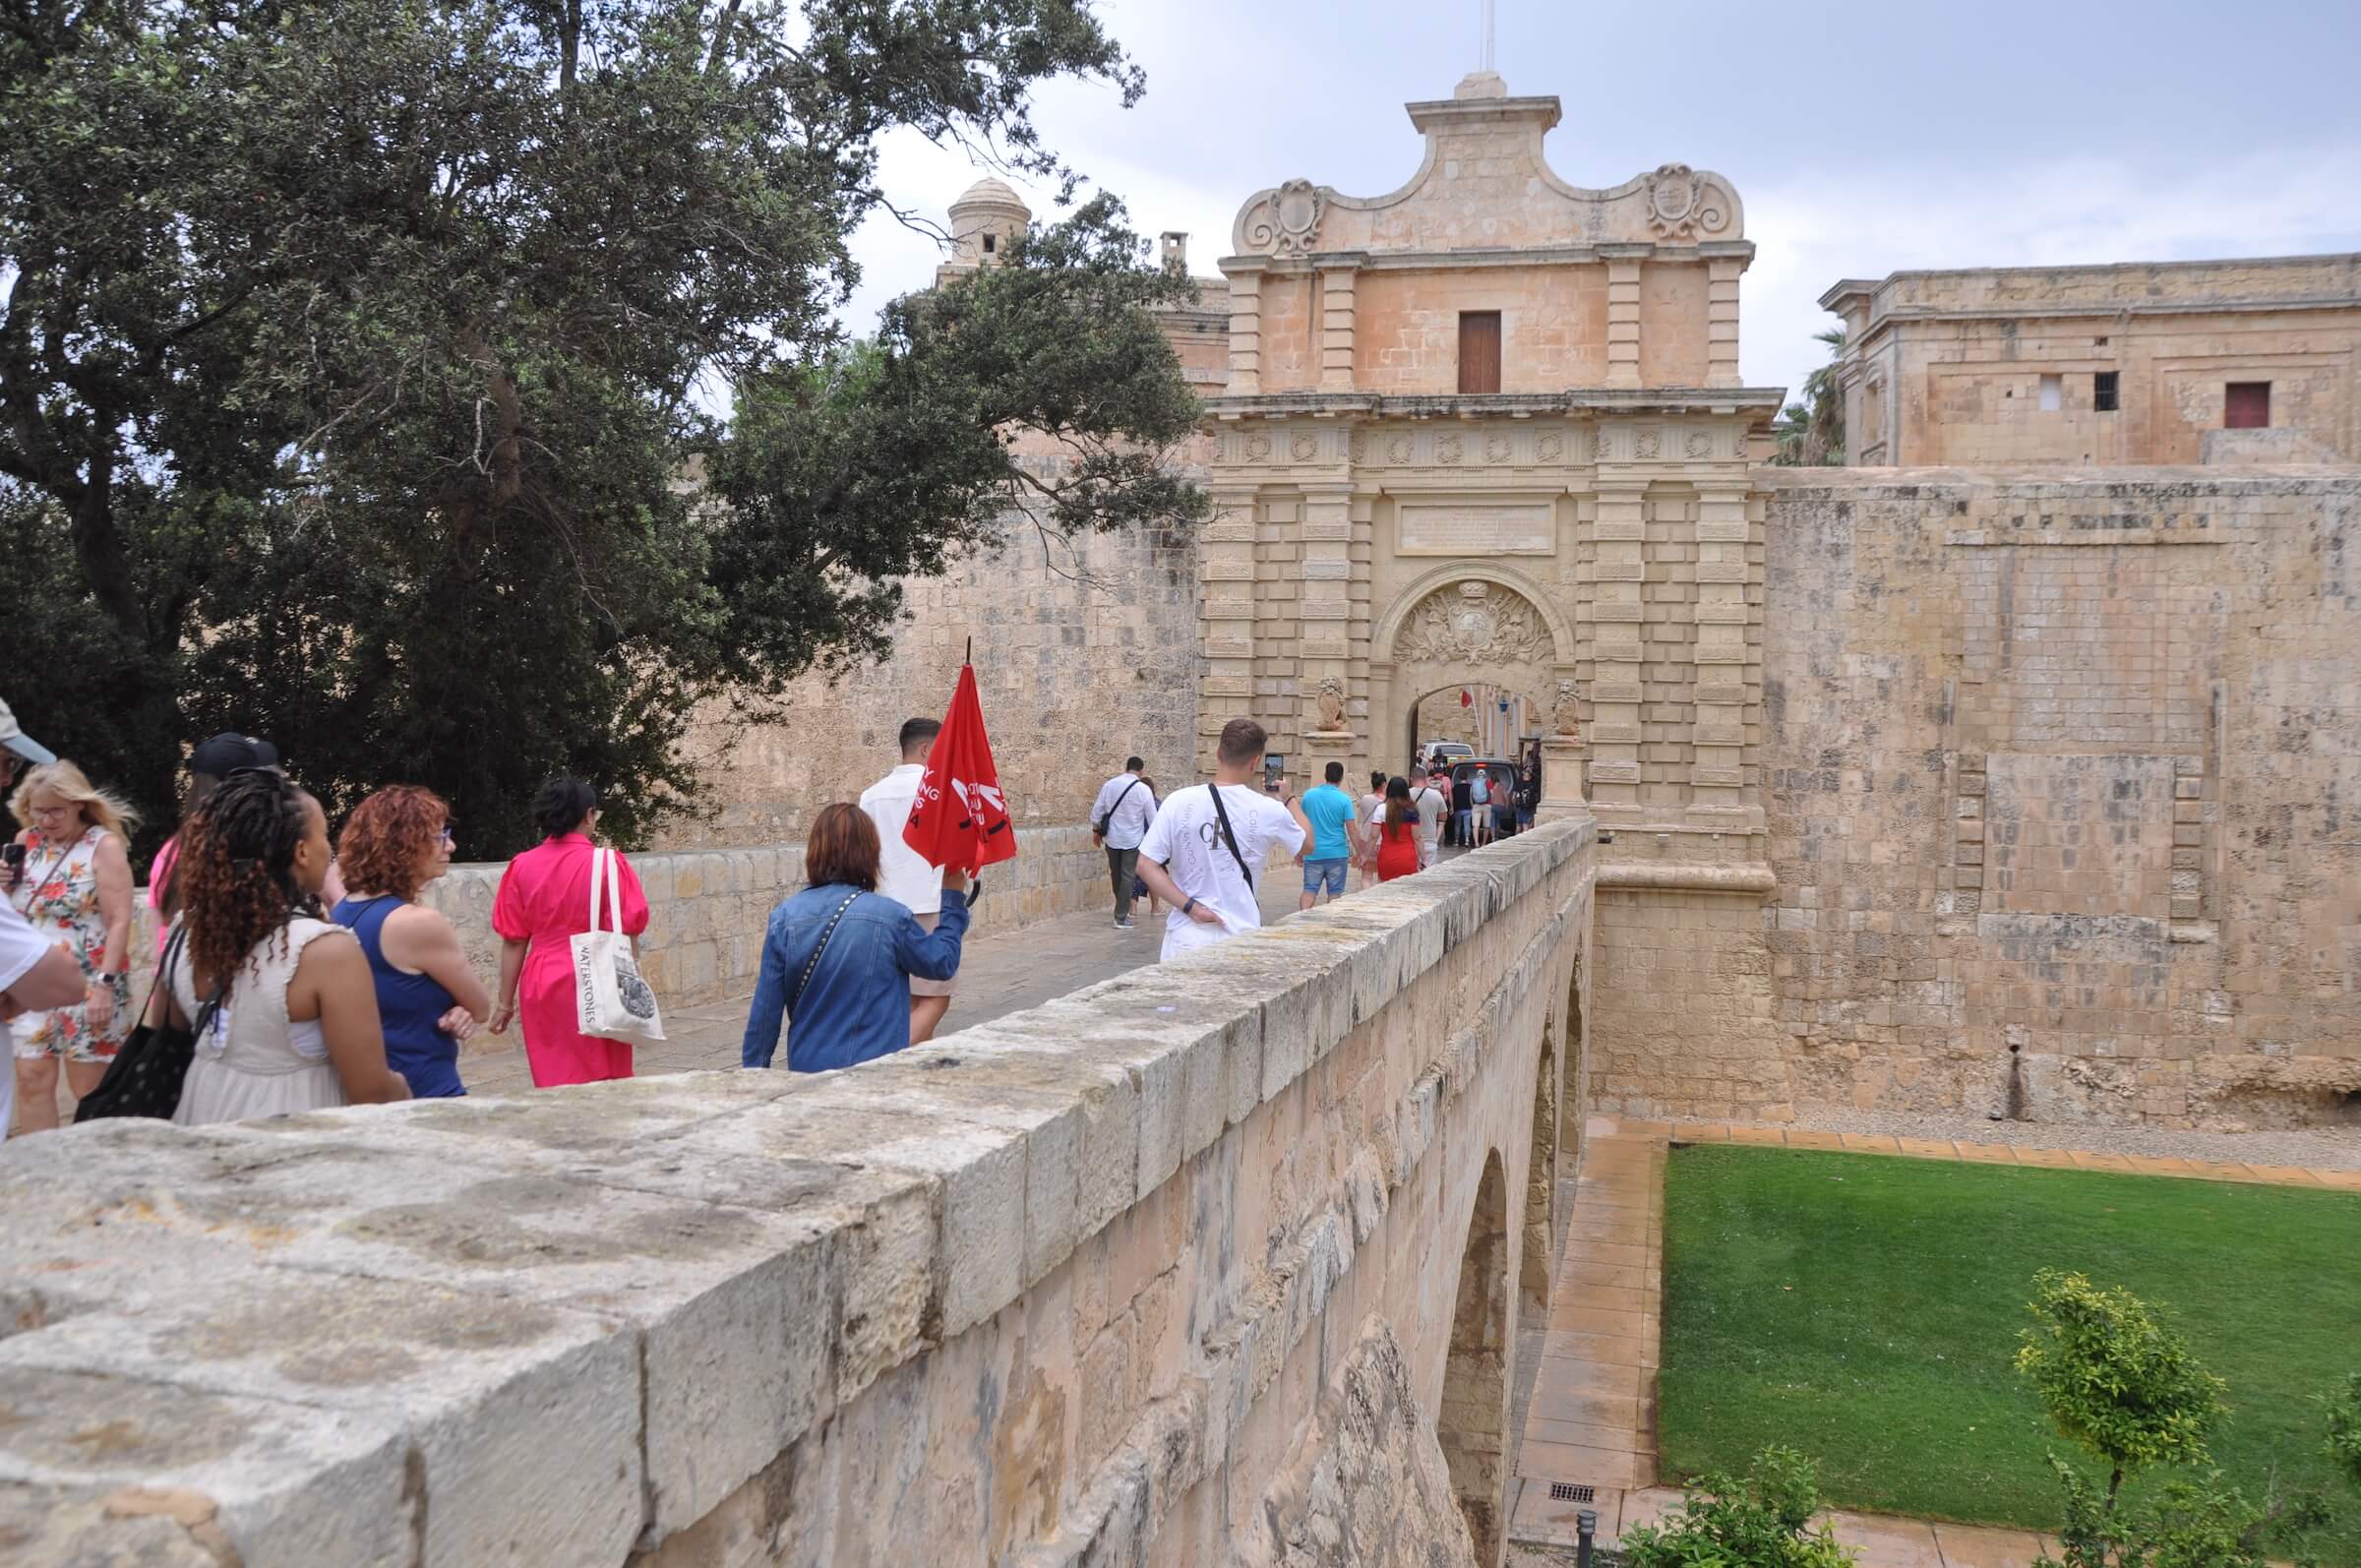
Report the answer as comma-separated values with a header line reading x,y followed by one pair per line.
x,y
1279,623
1727,663
1336,326
1245,333
1226,576
1722,319
1619,614
1326,612
1623,312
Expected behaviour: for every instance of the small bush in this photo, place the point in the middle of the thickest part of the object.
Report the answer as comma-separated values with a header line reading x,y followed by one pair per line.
x,y
2114,1379
1760,1522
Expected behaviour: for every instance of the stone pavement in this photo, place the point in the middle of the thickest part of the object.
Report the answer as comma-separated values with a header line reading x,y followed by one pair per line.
x,y
1591,1422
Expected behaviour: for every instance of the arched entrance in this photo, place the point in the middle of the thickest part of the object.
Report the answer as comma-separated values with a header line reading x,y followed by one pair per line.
x,y
1496,720
1473,627
1470,1425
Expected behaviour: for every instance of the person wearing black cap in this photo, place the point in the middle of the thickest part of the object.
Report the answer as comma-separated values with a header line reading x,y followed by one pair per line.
x,y
208,764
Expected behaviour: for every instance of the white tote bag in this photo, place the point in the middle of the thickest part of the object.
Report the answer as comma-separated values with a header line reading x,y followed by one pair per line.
x,y
610,999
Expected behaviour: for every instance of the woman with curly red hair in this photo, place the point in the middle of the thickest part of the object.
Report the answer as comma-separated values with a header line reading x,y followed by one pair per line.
x,y
428,998
280,999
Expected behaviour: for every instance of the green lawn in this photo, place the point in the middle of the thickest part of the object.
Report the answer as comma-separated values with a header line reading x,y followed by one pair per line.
x,y
1863,1308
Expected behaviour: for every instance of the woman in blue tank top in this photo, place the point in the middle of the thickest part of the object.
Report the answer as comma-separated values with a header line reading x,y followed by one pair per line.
x,y
428,998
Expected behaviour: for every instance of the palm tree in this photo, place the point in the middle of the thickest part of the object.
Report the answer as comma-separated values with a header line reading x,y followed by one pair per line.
x,y
1810,434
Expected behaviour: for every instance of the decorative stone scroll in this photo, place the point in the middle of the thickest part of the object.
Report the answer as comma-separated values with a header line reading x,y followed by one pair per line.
x,y
1473,622
1285,222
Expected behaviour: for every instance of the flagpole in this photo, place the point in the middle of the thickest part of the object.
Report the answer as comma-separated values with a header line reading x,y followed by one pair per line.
x,y
969,657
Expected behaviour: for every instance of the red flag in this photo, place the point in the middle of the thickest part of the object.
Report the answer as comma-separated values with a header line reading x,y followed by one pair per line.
x,y
959,817
1464,698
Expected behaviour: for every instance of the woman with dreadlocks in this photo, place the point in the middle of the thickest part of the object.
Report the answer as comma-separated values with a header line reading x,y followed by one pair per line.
x,y
282,1001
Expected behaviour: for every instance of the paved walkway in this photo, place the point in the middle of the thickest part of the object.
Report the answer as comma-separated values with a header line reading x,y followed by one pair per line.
x,y
997,975
1591,1422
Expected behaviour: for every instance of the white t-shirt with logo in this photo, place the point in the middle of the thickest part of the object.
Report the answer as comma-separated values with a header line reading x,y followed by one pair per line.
x,y
903,873
1187,840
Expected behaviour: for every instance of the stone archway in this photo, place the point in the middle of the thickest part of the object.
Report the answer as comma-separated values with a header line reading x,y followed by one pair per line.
x,y
1471,624
1471,1424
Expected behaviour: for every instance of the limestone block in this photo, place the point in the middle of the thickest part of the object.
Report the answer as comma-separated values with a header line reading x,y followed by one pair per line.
x,y
514,1410
98,1469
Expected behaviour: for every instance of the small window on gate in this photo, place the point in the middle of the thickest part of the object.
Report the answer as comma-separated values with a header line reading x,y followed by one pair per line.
x,y
987,243
2246,405
1478,350
2053,388
2103,390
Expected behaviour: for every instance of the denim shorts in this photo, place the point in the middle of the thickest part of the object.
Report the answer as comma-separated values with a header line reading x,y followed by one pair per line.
x,y
1330,871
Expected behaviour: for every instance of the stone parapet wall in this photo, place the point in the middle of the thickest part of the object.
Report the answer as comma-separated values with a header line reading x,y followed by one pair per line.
x,y
708,909
2057,766
1089,1284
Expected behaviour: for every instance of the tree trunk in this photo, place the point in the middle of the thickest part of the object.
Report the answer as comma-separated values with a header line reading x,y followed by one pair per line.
x,y
98,547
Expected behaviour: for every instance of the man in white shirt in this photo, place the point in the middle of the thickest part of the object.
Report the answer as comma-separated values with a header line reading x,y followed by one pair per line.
x,y
903,873
1207,845
1431,808
1119,820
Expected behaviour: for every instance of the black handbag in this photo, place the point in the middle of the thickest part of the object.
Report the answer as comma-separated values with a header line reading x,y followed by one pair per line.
x,y
145,1078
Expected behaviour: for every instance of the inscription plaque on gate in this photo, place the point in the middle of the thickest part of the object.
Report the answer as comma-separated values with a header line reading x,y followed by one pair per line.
x,y
1477,528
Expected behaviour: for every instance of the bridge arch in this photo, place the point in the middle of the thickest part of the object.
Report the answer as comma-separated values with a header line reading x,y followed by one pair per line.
x,y
1471,1421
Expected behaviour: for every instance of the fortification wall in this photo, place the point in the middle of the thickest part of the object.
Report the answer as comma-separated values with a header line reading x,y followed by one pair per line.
x,y
1085,653
1119,1279
2061,771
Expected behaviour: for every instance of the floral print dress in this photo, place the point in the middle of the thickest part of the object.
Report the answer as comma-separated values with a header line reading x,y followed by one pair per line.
x,y
59,894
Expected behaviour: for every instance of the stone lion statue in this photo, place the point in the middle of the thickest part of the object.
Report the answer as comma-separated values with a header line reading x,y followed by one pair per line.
x,y
1566,714
1330,695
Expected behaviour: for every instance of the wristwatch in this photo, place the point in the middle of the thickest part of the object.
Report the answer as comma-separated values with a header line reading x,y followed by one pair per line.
x,y
1190,907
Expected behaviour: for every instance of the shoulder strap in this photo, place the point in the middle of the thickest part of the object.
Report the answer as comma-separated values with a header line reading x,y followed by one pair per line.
x,y
823,947
1229,835
614,891
598,867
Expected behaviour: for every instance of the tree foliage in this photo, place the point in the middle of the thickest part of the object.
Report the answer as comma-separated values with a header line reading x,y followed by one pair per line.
x,y
1810,433
355,357
2114,1378
1762,1520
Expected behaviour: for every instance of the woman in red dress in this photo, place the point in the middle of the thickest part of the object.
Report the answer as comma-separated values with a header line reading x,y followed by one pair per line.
x,y
1397,824
544,900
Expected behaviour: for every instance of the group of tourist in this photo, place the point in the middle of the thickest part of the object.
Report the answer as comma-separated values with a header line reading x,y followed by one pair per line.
x,y
311,973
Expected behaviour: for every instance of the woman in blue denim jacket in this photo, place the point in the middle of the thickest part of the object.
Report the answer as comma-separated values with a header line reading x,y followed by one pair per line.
x,y
838,956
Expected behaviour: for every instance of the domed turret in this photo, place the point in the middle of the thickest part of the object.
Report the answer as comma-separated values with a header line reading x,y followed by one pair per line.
x,y
985,218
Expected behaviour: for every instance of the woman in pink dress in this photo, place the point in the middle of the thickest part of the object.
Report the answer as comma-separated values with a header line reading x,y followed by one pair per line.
x,y
544,900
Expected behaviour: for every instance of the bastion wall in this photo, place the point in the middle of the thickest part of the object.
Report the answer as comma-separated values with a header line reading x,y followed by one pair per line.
x,y
2060,772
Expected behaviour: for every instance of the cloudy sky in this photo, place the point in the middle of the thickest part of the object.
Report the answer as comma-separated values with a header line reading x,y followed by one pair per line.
x,y
1862,137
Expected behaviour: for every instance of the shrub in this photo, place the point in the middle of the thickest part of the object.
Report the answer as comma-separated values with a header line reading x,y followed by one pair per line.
x,y
2114,1379
1756,1522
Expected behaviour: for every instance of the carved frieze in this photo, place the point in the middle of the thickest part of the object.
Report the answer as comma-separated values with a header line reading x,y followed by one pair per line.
x,y
1473,622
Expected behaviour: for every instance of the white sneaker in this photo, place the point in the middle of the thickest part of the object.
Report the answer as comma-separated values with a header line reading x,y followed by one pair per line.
x,y
1122,922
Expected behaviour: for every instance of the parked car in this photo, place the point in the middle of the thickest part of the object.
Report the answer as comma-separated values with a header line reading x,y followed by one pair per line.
x,y
1501,772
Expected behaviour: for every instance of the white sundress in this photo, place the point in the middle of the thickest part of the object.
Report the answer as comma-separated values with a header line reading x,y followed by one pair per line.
x,y
256,1062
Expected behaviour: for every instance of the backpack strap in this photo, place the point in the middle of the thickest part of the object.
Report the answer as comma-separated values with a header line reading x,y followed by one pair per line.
x,y
1229,835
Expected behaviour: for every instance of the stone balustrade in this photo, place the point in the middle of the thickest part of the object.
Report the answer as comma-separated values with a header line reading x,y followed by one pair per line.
x,y
1188,1264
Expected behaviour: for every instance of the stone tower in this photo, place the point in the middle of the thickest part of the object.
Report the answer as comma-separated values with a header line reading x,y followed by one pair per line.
x,y
985,218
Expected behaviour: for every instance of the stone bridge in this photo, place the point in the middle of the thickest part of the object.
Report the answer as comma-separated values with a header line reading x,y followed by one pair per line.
x,y
1221,1261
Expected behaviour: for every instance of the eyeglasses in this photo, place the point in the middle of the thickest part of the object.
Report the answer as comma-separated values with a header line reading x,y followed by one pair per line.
x,y
450,841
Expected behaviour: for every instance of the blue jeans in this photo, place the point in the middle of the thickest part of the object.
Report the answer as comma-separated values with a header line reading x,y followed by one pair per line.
x,y
1461,824
1330,873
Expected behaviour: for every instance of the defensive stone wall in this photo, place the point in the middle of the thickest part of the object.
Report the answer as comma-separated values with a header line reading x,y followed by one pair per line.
x,y
708,908
2059,777
1212,1262
1085,653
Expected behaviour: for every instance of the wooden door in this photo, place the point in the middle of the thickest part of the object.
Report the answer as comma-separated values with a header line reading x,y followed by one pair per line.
x,y
1478,350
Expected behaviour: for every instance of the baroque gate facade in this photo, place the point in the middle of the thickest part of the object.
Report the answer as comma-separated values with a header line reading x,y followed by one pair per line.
x,y
1488,429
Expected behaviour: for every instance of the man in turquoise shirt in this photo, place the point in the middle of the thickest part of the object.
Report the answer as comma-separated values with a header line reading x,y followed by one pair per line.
x,y
1327,815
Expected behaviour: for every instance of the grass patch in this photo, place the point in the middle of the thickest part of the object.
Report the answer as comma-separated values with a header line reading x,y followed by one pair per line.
x,y
1864,1310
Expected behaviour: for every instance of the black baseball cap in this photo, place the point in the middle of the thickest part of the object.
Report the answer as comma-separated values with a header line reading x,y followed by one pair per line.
x,y
228,752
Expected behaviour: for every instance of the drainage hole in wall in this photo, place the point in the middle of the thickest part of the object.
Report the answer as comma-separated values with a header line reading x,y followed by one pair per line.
x,y
1565,1491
